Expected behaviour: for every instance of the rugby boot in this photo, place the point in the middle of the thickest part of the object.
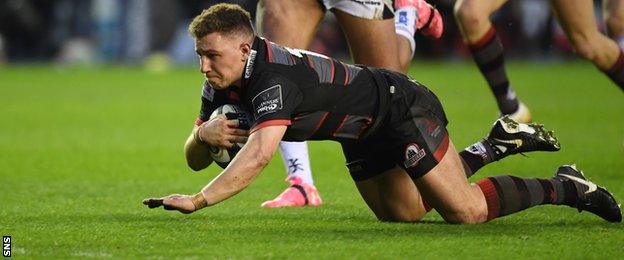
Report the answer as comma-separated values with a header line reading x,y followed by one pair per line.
x,y
429,21
522,114
298,194
591,197
509,137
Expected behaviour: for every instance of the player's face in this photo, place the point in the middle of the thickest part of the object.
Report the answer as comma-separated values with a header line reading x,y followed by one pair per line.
x,y
222,58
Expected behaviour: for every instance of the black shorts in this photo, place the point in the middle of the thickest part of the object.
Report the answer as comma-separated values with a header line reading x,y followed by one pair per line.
x,y
413,135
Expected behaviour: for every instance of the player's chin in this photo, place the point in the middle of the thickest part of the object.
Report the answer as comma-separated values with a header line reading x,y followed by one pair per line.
x,y
217,84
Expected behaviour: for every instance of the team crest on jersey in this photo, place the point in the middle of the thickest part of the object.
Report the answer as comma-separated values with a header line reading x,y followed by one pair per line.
x,y
250,63
413,155
208,91
268,101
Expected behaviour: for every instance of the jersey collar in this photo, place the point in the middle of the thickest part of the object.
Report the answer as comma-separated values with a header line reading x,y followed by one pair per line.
x,y
251,61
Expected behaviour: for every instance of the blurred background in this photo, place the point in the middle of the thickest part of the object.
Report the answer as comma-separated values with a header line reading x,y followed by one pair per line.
x,y
154,32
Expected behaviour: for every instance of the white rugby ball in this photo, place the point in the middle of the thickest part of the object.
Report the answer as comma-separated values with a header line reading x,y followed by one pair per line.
x,y
223,156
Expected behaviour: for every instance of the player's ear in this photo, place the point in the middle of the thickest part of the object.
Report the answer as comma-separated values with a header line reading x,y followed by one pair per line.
x,y
245,49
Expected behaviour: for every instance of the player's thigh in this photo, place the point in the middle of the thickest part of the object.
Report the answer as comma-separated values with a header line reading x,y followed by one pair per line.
x,y
387,190
446,189
289,23
372,42
392,196
613,12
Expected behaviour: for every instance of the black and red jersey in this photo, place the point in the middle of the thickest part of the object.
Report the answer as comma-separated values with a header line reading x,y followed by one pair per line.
x,y
317,97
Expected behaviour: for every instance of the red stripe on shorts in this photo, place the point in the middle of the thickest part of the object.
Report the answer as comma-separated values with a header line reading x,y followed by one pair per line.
x,y
441,151
272,122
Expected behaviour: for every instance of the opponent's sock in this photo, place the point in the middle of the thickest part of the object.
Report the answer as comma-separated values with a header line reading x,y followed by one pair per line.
x,y
404,24
478,155
506,194
488,54
296,160
616,72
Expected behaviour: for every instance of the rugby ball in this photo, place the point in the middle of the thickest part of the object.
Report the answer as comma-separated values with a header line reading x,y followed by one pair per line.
x,y
223,156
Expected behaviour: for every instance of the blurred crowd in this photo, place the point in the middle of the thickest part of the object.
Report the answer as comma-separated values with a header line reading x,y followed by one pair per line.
x,y
154,32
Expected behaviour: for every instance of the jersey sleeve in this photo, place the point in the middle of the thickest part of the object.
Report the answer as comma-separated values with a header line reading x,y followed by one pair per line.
x,y
211,100
273,101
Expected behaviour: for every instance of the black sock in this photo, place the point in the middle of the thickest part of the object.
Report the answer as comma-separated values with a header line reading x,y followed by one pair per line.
x,y
507,194
488,54
476,156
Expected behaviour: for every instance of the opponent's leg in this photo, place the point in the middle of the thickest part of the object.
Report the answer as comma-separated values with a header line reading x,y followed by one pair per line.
x,y
405,17
296,160
372,42
301,191
412,15
578,20
507,137
473,19
280,21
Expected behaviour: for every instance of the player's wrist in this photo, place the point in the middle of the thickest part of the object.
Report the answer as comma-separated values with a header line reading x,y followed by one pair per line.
x,y
199,201
197,134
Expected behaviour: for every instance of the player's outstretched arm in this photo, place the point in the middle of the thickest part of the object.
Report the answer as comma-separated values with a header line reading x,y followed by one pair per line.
x,y
245,167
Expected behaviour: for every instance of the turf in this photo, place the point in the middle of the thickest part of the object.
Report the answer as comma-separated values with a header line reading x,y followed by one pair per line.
x,y
81,147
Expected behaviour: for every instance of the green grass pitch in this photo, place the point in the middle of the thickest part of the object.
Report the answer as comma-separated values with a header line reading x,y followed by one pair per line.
x,y
80,149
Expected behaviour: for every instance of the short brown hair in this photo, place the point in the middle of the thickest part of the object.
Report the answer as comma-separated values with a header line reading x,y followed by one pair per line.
x,y
222,18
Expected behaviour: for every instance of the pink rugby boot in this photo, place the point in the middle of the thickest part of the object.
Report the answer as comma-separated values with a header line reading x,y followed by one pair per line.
x,y
299,194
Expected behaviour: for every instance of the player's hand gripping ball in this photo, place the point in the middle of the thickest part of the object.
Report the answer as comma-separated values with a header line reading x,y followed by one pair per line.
x,y
223,156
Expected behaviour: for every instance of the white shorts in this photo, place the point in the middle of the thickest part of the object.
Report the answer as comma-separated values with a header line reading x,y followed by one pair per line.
x,y
367,9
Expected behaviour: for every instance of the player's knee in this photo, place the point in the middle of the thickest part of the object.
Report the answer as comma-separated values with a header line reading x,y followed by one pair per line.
x,y
276,14
468,15
583,46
